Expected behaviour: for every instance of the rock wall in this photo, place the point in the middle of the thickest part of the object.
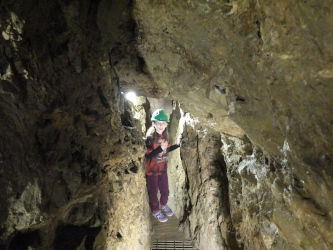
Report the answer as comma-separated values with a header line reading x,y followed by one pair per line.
x,y
238,197
262,70
176,172
71,165
207,210
246,62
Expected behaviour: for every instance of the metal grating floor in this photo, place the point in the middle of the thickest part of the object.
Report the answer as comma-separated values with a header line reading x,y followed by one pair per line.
x,y
168,235
160,245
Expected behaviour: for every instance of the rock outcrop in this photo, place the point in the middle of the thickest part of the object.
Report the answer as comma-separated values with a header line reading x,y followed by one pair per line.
x,y
72,173
266,67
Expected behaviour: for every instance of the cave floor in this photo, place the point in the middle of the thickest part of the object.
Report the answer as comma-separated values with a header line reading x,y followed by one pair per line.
x,y
168,235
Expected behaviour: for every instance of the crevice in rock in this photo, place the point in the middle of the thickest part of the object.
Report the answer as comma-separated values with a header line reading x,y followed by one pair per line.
x,y
141,65
133,167
70,237
221,167
20,80
240,99
188,204
26,240
119,236
259,32
221,89
103,99
126,119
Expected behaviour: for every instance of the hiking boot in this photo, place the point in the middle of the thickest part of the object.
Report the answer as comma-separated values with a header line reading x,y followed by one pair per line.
x,y
158,215
167,210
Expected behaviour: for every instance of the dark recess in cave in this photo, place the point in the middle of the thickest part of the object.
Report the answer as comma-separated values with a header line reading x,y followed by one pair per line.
x,y
126,119
24,240
69,237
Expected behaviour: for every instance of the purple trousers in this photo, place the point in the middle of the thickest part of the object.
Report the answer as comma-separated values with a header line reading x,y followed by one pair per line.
x,y
155,183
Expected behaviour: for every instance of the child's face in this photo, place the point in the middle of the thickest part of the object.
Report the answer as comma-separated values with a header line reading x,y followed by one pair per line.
x,y
160,126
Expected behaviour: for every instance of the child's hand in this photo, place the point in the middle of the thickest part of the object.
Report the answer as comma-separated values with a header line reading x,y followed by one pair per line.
x,y
179,140
164,145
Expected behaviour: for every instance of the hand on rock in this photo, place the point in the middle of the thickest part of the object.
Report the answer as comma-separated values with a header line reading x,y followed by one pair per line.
x,y
179,140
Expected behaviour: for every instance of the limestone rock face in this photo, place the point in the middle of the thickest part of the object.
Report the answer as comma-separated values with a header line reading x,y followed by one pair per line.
x,y
71,165
266,67
207,212
236,196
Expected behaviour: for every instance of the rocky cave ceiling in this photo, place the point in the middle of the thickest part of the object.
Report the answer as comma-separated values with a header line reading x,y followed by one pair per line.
x,y
254,74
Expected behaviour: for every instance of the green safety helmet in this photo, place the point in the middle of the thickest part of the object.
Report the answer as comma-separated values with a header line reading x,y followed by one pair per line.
x,y
160,115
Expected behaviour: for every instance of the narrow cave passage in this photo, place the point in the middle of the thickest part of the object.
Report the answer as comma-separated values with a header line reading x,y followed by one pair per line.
x,y
197,178
255,167
141,108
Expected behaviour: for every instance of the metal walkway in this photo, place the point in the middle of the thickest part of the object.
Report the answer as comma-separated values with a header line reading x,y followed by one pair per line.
x,y
181,245
167,235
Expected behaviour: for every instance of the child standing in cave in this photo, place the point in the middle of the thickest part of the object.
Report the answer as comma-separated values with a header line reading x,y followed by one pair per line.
x,y
156,164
